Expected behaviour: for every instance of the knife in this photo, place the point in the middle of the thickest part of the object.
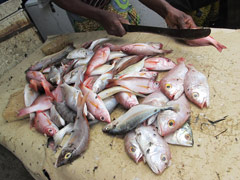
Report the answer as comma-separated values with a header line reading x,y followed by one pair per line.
x,y
175,33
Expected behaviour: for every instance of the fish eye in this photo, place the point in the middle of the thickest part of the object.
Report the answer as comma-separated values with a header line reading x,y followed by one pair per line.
x,y
187,136
68,155
171,123
163,158
132,149
101,118
50,130
168,86
156,83
195,95
168,60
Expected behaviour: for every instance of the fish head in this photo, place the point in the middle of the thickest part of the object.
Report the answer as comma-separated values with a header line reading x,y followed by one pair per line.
x,y
50,131
158,158
134,151
66,156
185,135
110,127
199,95
155,85
104,116
173,88
166,122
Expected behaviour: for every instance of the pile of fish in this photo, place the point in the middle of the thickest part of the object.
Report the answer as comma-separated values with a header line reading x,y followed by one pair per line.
x,y
72,89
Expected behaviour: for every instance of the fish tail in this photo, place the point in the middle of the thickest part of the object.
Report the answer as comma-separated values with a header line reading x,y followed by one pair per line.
x,y
24,111
46,88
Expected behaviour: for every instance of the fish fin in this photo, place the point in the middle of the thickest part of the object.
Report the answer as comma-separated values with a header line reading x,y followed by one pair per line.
x,y
47,89
80,103
33,85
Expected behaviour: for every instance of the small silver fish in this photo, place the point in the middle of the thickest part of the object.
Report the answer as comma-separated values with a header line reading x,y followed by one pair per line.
x,y
182,136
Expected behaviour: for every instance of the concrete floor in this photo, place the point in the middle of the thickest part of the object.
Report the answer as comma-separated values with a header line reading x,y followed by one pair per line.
x,y
11,168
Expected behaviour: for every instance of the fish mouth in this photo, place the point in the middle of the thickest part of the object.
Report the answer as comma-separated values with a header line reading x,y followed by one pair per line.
x,y
204,104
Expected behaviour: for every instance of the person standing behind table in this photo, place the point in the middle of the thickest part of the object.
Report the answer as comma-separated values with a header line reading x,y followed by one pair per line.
x,y
91,15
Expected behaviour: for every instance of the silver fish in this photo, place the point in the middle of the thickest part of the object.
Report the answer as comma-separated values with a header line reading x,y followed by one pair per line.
x,y
132,147
78,53
54,75
110,103
78,141
72,76
182,136
155,149
133,117
56,118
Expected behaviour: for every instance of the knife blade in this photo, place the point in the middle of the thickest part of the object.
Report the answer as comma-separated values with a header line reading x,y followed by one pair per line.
x,y
175,33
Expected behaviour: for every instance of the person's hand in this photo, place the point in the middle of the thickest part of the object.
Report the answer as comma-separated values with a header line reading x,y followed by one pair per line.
x,y
112,23
179,20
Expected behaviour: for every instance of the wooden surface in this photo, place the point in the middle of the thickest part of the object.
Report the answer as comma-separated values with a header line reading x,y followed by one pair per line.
x,y
215,154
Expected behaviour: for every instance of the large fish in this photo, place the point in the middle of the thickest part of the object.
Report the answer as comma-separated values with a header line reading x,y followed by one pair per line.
x,y
44,125
169,121
206,41
95,105
79,139
133,117
156,151
41,103
172,83
100,57
143,49
196,87
182,136
159,64
132,147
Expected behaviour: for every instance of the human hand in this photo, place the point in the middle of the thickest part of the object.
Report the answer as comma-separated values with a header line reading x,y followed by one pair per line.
x,y
179,20
112,23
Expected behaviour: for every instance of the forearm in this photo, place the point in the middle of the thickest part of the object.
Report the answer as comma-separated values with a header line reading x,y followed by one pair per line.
x,y
159,6
80,8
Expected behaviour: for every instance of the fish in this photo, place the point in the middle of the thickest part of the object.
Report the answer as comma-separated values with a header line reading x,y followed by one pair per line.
x,y
58,137
78,53
159,64
143,49
206,41
139,85
157,98
56,118
79,139
155,149
102,81
172,83
133,117
83,61
51,59
132,147
100,57
95,105
183,136
55,75
116,54
170,121
41,103
126,99
97,42
143,74
57,93
65,112
124,62
73,75
29,97
196,87
110,103
44,125
132,68
102,69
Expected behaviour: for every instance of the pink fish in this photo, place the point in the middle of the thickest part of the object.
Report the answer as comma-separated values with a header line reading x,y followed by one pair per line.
x,y
57,93
159,64
42,103
139,85
95,105
169,121
99,58
196,87
143,49
206,41
143,74
44,125
172,83
126,99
